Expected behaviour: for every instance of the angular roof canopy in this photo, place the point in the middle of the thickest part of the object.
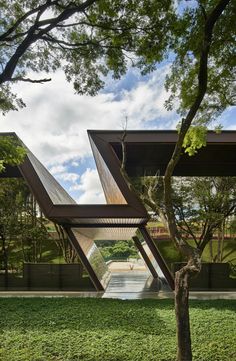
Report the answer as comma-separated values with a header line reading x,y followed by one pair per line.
x,y
123,208
147,153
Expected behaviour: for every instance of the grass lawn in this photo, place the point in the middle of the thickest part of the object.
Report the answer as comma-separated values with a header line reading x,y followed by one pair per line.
x,y
66,329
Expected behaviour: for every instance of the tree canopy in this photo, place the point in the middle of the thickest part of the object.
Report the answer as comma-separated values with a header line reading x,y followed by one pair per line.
x,y
84,38
87,39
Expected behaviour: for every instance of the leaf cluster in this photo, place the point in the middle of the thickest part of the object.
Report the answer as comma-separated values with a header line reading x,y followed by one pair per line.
x,y
11,152
188,38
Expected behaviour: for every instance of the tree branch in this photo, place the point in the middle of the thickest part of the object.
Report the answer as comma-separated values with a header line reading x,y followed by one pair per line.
x,y
33,35
201,90
25,16
40,81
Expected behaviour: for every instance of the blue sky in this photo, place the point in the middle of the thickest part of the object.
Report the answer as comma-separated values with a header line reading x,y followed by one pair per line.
x,y
55,121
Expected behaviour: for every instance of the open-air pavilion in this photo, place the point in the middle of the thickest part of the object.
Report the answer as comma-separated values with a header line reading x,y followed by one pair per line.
x,y
124,216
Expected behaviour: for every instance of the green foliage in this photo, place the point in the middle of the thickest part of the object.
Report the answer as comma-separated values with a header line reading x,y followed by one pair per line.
x,y
187,42
11,152
168,251
195,139
66,329
24,235
86,43
203,205
118,249
110,36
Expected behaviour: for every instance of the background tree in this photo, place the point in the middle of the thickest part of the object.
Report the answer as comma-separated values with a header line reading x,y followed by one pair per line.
x,y
9,228
203,206
24,235
67,250
21,225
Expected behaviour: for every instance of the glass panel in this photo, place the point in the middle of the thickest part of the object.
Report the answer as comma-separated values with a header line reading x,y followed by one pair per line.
x,y
94,257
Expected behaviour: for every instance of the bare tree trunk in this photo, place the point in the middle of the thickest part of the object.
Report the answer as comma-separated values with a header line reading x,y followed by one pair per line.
x,y
5,259
211,250
222,242
182,278
184,352
219,237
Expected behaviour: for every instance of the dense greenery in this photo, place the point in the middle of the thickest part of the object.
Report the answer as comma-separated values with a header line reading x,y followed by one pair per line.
x,y
204,207
11,152
72,329
25,234
118,249
205,214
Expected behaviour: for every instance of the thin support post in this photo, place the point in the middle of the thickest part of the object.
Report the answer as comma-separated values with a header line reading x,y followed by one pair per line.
x,y
156,254
138,244
83,258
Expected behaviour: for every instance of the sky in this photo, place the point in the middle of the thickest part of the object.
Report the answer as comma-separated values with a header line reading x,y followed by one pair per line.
x,y
55,121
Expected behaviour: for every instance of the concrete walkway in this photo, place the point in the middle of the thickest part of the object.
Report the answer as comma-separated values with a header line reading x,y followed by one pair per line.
x,y
128,295
126,286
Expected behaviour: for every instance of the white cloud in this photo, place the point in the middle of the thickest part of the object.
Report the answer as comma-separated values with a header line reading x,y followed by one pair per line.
x,y
57,169
55,121
68,177
90,187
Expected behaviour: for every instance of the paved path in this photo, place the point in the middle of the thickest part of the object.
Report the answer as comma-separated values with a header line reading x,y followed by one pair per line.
x,y
133,284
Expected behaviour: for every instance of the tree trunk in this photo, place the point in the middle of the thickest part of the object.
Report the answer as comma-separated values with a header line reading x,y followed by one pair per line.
x,y
222,242
184,352
211,250
5,260
182,278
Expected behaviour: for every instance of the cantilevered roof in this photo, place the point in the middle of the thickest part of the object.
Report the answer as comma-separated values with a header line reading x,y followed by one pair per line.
x,y
148,152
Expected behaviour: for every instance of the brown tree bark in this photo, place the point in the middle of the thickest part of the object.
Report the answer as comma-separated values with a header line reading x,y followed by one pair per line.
x,y
182,315
184,351
5,259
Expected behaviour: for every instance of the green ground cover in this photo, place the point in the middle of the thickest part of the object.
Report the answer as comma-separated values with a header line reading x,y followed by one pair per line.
x,y
72,329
